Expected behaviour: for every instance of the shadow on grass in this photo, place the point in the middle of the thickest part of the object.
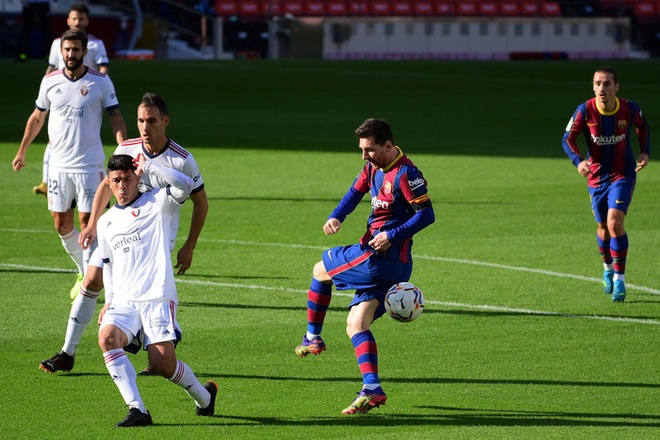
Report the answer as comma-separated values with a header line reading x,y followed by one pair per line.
x,y
452,417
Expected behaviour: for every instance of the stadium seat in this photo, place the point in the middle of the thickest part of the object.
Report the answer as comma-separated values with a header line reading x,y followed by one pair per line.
x,y
488,7
293,7
249,7
315,8
358,7
550,9
467,8
423,7
402,7
529,8
444,8
273,7
509,8
645,11
380,7
336,7
223,7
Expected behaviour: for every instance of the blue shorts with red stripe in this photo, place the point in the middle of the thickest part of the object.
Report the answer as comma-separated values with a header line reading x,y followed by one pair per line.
x,y
617,195
359,268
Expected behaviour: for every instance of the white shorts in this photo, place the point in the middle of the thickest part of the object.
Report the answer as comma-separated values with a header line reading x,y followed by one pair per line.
x,y
68,190
154,321
95,259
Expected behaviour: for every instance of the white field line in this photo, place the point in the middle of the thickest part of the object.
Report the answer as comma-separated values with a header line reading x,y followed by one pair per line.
x,y
422,257
348,295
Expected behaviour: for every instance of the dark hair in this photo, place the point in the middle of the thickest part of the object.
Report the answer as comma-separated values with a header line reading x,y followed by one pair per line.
x,y
120,162
74,35
378,129
610,70
79,7
153,100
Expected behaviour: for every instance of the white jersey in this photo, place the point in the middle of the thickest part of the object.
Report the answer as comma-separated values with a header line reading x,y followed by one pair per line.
x,y
76,113
172,156
96,53
134,239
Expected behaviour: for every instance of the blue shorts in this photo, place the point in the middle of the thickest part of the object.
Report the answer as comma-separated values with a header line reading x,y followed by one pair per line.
x,y
358,268
617,195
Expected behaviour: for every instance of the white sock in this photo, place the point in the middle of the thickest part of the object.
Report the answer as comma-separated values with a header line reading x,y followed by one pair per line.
x,y
123,373
310,337
608,266
82,312
71,246
186,379
619,276
370,386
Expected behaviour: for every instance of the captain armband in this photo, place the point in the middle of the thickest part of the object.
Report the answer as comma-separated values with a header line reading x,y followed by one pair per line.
x,y
420,203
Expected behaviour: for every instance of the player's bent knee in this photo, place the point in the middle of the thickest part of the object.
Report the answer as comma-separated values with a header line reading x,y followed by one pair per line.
x,y
320,273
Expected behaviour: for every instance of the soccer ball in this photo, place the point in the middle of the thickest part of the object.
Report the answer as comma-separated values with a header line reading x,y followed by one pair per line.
x,y
404,302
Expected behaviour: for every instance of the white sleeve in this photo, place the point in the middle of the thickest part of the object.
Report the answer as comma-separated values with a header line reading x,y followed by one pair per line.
x,y
55,55
180,185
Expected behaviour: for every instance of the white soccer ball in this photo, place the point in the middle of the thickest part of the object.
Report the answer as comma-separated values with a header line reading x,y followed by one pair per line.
x,y
404,302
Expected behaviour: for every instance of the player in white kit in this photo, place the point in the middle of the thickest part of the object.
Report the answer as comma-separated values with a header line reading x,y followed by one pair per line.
x,y
96,58
134,240
152,120
75,99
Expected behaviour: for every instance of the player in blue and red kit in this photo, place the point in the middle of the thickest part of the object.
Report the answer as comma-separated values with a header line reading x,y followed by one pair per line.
x,y
400,208
607,123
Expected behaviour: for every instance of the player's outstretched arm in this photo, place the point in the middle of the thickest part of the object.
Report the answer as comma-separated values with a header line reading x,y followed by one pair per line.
x,y
32,128
180,185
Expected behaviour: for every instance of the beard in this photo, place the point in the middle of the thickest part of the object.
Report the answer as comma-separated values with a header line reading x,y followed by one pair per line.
x,y
77,62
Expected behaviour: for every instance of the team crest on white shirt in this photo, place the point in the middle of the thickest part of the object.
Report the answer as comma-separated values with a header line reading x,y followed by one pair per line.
x,y
135,213
84,90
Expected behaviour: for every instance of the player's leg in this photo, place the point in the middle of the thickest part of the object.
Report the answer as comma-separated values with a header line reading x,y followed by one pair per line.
x,y
619,245
85,187
599,207
61,202
619,199
162,355
319,296
81,314
42,188
358,328
163,361
118,328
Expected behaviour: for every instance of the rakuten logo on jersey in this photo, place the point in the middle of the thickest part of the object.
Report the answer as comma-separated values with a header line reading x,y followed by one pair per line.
x,y
414,184
607,140
124,241
376,203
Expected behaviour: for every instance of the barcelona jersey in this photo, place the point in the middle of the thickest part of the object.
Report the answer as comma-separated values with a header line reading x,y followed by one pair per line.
x,y
608,136
398,192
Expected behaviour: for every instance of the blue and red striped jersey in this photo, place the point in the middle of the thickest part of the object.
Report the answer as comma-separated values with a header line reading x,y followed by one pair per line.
x,y
608,136
398,193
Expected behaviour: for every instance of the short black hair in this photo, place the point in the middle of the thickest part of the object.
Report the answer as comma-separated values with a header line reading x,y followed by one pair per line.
x,y
80,7
152,100
611,70
376,128
74,35
121,162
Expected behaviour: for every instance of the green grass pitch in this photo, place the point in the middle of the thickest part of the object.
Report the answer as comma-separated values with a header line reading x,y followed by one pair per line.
x,y
517,339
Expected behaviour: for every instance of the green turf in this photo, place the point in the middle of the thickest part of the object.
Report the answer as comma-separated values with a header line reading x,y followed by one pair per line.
x,y
517,340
